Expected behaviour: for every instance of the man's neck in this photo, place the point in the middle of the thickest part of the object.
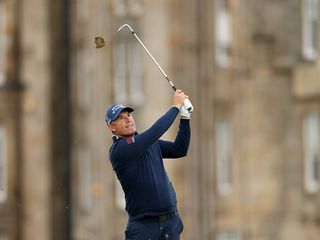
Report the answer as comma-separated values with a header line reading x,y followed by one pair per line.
x,y
127,136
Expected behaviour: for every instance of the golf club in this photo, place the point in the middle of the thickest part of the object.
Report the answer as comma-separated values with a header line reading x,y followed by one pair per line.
x,y
187,103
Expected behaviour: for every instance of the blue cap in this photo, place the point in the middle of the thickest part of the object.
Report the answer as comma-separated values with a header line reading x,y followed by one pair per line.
x,y
114,111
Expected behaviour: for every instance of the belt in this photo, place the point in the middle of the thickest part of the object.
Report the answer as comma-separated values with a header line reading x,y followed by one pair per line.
x,y
159,218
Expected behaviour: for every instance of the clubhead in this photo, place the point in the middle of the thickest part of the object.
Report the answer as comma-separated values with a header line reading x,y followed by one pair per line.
x,y
123,26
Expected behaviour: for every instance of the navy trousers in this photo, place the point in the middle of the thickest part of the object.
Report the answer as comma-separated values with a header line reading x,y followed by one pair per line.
x,y
160,228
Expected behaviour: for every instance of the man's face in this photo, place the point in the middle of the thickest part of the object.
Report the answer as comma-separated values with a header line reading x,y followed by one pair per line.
x,y
123,125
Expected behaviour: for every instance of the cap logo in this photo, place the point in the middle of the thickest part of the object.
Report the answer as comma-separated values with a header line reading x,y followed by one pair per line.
x,y
116,107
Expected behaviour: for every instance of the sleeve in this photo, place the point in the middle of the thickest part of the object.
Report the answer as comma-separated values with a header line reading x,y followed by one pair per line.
x,y
132,147
178,148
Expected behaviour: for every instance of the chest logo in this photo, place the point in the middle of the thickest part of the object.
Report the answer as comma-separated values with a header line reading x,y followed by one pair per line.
x,y
130,140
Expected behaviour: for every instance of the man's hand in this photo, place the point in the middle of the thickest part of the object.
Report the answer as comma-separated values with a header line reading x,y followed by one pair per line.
x,y
178,98
188,105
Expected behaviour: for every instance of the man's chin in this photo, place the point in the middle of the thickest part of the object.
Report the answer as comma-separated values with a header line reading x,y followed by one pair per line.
x,y
130,134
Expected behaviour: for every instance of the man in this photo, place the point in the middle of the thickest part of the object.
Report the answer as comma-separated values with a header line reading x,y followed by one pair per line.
x,y
137,160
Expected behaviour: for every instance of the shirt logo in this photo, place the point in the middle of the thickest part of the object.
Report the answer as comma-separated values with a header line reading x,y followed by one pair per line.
x,y
130,140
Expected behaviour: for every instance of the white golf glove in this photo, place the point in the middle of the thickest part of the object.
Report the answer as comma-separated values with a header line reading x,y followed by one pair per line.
x,y
184,113
188,105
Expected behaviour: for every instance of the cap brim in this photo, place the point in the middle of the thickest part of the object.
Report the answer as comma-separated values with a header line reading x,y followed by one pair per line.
x,y
128,109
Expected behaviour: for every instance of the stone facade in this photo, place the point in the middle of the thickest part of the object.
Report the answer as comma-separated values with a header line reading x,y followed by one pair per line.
x,y
256,92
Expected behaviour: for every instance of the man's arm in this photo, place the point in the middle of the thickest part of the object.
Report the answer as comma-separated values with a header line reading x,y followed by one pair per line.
x,y
132,147
178,148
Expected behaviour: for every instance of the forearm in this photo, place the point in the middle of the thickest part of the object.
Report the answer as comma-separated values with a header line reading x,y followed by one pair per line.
x,y
160,126
180,146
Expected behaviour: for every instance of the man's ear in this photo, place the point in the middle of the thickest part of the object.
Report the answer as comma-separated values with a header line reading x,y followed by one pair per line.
x,y
111,127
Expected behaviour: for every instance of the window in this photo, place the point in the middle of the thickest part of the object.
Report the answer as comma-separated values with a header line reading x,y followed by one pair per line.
x,y
136,76
311,150
228,235
222,33
3,236
120,72
128,72
82,11
135,7
3,41
223,153
309,29
120,199
124,7
3,166
119,8
85,173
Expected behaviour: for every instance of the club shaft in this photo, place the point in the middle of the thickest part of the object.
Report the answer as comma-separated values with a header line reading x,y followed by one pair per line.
x,y
187,103
155,61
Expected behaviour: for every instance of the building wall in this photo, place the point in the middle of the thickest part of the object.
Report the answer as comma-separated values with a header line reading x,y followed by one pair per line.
x,y
35,120
60,182
10,122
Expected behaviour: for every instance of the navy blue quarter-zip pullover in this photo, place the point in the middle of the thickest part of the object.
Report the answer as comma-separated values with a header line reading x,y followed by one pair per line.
x,y
138,163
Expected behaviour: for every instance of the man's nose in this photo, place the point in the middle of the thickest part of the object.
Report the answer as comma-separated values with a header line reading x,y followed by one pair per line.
x,y
126,118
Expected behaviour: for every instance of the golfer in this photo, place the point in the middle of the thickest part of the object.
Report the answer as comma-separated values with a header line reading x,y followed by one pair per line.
x,y
137,159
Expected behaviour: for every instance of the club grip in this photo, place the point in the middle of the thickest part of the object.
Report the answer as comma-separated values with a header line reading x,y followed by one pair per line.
x,y
188,105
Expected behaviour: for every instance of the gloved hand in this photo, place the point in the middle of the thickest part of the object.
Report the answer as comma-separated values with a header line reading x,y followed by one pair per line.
x,y
184,113
188,105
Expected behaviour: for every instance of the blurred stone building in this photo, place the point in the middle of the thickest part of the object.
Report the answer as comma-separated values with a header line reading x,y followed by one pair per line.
x,y
251,69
